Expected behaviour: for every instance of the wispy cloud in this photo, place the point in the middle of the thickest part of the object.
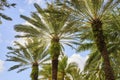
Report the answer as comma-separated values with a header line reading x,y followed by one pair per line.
x,y
80,60
35,1
21,11
1,65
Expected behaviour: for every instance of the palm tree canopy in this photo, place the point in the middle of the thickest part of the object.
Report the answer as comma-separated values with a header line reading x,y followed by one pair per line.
x,y
50,24
26,55
92,9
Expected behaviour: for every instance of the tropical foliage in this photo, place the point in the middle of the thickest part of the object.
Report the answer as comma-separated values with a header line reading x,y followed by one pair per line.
x,y
28,56
54,27
92,25
94,13
66,70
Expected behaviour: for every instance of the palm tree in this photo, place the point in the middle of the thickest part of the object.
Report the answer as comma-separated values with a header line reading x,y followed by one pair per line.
x,y
28,56
77,74
55,27
94,12
114,40
65,69
45,72
112,37
93,69
94,65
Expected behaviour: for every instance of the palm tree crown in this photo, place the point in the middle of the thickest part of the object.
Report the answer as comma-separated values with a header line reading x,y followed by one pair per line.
x,y
50,24
28,56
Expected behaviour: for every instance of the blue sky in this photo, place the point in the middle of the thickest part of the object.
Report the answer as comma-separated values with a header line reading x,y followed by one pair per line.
x,y
7,34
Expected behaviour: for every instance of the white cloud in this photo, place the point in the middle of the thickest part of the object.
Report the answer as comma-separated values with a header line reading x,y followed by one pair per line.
x,y
1,65
80,60
21,11
35,1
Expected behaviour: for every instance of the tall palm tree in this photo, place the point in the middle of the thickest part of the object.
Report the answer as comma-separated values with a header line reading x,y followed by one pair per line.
x,y
28,56
54,26
112,37
114,40
94,12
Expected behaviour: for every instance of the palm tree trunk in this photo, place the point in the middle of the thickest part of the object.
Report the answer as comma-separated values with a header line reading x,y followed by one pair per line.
x,y
54,68
101,45
55,52
35,70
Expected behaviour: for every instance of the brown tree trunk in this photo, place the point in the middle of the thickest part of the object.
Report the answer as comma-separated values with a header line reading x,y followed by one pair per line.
x,y
54,68
101,45
35,70
55,52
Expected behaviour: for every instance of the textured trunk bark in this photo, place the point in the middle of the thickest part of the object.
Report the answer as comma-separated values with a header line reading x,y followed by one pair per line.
x,y
54,68
35,70
101,45
55,52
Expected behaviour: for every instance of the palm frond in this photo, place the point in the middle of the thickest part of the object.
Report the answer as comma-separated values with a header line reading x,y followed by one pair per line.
x,y
20,70
93,57
27,29
85,46
15,67
5,17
